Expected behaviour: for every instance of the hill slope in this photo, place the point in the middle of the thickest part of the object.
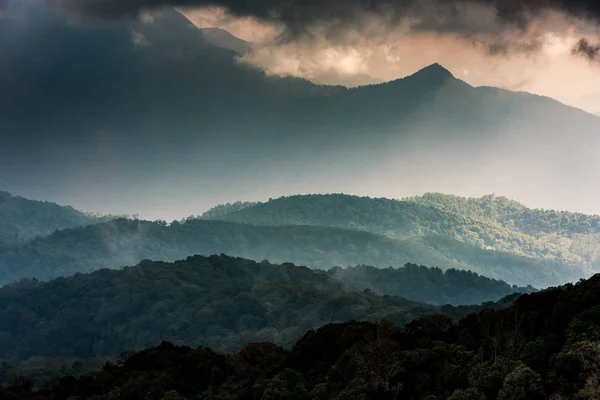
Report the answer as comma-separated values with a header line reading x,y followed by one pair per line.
x,y
125,242
487,223
426,285
546,345
23,219
219,301
533,222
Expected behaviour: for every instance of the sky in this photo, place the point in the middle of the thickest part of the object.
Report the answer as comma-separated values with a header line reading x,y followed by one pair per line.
x,y
114,119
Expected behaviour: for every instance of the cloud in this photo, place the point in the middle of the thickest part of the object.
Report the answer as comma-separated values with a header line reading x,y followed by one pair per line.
x,y
147,17
586,49
501,27
247,28
301,13
139,39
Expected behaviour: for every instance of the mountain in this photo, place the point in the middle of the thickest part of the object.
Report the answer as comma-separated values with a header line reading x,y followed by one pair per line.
x,y
221,38
108,92
351,81
508,212
219,301
489,222
544,346
23,219
123,242
426,285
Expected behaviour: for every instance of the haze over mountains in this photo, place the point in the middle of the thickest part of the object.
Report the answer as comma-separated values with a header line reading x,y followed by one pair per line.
x,y
492,236
106,94
393,291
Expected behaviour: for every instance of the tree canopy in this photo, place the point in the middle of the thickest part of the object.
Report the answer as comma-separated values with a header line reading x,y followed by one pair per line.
x,y
546,345
216,301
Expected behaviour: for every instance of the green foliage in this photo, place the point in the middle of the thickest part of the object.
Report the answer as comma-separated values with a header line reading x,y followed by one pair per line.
x,y
522,384
534,222
125,242
224,209
467,394
426,285
218,301
22,219
489,222
482,356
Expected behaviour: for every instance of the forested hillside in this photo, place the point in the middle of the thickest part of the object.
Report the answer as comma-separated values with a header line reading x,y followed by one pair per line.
x,y
513,214
126,242
22,219
427,285
489,222
218,301
545,346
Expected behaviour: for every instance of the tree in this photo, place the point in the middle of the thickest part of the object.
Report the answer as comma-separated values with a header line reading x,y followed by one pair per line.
x,y
467,394
172,395
522,384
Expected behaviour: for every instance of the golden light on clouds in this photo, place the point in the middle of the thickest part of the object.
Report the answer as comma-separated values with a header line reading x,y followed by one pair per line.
x,y
542,63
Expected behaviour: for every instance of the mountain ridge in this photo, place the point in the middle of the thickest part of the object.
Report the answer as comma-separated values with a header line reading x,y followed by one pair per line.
x,y
534,233
492,236
227,302
22,219
123,242
130,87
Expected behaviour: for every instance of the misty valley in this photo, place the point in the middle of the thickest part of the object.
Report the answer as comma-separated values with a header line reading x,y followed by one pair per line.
x,y
83,291
272,200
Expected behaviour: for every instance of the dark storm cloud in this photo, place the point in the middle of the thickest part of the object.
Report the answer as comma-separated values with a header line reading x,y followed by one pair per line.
x,y
335,17
586,49
297,13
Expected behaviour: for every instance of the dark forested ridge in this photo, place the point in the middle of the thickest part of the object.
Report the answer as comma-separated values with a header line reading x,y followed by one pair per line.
x,y
22,219
125,242
545,346
426,285
218,301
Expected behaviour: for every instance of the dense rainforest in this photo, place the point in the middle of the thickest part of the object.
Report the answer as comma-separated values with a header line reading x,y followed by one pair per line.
x,y
426,285
125,242
545,346
217,301
489,222
22,219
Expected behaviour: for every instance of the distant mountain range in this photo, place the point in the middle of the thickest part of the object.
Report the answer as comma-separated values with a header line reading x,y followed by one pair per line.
x,y
489,222
22,219
127,98
492,236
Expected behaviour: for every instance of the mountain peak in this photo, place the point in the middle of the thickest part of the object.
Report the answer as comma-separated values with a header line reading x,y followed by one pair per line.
x,y
434,70
221,38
